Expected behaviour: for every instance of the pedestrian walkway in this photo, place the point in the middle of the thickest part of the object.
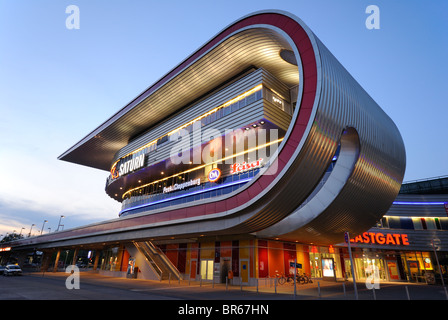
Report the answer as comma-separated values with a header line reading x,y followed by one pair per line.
x,y
267,289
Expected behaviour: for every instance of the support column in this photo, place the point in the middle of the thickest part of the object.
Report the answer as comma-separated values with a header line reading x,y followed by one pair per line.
x,y
75,256
56,261
45,260
97,258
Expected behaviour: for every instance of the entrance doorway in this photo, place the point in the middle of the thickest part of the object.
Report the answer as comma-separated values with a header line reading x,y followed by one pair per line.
x,y
225,268
370,267
207,269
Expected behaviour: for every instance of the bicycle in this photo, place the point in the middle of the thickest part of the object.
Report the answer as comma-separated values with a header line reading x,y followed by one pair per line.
x,y
280,278
306,279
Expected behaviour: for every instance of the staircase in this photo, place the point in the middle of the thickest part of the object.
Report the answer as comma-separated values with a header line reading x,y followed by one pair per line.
x,y
158,261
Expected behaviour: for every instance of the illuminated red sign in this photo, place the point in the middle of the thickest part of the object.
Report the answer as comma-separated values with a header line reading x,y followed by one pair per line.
x,y
241,167
379,238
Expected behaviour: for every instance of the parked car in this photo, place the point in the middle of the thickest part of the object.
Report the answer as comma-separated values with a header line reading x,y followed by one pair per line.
x,y
12,270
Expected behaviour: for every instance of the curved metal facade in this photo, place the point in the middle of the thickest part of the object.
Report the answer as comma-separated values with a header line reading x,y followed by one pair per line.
x,y
332,110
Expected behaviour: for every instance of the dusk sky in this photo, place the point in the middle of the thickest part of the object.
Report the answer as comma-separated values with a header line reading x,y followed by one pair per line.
x,y
58,84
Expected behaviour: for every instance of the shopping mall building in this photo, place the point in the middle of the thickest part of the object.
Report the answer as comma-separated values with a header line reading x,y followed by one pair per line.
x,y
256,151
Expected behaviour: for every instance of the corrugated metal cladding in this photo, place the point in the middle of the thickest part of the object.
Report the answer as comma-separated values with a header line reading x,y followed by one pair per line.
x,y
378,173
330,102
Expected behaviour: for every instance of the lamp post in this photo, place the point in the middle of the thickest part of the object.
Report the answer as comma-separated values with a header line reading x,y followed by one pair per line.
x,y
42,230
29,234
347,240
59,224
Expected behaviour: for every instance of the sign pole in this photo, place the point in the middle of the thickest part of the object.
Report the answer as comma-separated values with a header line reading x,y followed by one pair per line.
x,y
295,276
347,240
437,259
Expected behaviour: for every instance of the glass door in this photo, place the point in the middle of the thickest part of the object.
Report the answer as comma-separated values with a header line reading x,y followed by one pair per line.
x,y
207,269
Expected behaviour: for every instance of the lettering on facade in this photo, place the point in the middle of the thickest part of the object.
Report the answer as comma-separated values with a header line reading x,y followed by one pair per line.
x,y
180,186
132,165
379,238
241,167
214,175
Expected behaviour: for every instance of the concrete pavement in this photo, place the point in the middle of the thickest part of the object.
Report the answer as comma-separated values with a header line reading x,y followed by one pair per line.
x,y
52,286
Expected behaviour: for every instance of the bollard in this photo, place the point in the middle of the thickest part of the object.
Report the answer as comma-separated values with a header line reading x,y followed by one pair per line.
x,y
343,289
446,293
407,292
200,280
257,286
318,289
241,284
213,281
275,285
226,283
374,294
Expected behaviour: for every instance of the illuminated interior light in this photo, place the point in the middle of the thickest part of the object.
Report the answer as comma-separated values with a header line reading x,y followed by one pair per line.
x,y
261,122
205,165
413,203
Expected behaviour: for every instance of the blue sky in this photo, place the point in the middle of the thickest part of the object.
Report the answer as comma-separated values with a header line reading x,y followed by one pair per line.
x,y
57,84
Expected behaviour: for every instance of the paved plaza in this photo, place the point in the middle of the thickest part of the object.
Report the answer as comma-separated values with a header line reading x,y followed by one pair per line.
x,y
92,286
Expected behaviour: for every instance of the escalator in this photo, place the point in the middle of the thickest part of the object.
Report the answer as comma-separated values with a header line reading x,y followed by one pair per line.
x,y
163,268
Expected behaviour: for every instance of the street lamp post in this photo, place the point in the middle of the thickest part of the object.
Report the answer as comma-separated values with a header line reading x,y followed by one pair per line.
x,y
42,230
29,234
59,224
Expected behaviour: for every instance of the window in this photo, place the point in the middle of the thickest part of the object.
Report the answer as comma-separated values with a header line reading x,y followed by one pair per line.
x,y
430,224
417,223
394,223
406,223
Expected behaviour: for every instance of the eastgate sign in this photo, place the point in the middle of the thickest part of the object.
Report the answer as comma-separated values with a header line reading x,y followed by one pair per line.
x,y
379,238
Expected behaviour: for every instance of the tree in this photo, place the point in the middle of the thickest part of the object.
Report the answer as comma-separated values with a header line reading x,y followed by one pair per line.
x,y
11,237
